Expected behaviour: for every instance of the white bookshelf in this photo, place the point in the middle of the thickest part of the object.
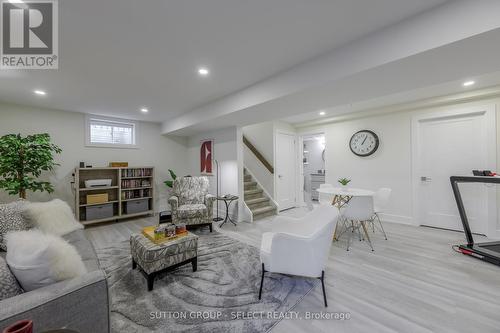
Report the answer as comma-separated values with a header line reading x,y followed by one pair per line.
x,y
127,184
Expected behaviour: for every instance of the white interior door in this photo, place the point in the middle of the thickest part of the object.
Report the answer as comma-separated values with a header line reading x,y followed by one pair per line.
x,y
448,146
285,166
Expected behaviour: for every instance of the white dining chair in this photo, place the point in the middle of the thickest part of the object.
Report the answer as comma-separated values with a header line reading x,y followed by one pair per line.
x,y
380,201
358,213
299,246
324,198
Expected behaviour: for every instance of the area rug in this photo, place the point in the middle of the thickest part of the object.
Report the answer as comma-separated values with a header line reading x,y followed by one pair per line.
x,y
222,296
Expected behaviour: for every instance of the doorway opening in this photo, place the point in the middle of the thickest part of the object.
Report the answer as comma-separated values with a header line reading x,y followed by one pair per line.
x,y
313,169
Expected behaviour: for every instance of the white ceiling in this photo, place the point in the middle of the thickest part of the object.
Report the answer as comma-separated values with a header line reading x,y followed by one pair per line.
x,y
399,99
119,55
437,71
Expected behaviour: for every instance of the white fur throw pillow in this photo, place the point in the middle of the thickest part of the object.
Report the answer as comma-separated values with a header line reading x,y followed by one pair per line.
x,y
37,259
54,217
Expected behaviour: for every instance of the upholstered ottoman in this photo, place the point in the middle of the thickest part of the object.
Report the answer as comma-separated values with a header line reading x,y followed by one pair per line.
x,y
155,258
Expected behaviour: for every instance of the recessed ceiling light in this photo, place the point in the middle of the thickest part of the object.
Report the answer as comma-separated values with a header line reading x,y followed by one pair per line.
x,y
469,83
145,110
40,92
322,113
203,71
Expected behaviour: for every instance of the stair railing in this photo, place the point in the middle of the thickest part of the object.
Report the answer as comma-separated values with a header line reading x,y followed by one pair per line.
x,y
259,156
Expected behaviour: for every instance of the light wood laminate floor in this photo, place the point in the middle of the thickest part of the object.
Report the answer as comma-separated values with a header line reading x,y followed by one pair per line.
x,y
413,282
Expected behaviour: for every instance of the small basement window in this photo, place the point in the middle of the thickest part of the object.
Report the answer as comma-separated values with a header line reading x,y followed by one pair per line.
x,y
110,132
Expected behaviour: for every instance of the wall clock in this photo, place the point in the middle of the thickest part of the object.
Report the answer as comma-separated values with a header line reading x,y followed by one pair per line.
x,y
364,143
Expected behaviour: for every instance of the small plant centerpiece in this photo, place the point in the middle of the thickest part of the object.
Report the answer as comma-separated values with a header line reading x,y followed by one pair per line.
x,y
344,182
22,162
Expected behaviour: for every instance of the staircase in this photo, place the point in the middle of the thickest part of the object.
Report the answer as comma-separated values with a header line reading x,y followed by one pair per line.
x,y
256,199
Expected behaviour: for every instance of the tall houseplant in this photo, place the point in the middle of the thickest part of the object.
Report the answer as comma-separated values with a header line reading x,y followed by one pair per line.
x,y
22,161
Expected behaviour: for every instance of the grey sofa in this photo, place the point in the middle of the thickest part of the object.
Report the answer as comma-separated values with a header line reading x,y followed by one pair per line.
x,y
190,202
80,304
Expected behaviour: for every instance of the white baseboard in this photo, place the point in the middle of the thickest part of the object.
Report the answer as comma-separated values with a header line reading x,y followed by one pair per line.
x,y
401,219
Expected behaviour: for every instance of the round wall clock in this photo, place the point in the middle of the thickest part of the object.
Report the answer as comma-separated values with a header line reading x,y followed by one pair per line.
x,y
364,143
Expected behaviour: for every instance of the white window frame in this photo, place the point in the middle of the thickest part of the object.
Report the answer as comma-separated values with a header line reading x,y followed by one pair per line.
x,y
135,133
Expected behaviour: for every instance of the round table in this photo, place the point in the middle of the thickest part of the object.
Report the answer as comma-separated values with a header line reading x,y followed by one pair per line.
x,y
228,199
342,196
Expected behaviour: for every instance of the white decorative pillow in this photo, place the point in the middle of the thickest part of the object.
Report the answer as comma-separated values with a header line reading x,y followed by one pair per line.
x,y
37,259
54,217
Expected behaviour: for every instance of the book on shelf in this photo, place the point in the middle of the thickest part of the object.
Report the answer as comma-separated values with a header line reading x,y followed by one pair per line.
x,y
136,194
137,172
133,183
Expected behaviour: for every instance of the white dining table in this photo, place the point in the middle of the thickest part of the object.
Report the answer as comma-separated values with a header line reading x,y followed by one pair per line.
x,y
342,196
351,192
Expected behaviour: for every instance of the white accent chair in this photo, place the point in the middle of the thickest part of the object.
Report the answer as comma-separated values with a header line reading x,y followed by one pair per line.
x,y
357,214
323,198
380,201
299,246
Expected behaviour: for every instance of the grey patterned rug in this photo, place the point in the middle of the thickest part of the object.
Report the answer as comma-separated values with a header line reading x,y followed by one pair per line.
x,y
209,300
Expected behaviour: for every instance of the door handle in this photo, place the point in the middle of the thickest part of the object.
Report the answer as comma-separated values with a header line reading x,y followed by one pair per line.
x,y
280,176
425,179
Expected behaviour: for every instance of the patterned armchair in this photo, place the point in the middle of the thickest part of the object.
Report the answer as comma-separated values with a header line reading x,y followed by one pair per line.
x,y
190,203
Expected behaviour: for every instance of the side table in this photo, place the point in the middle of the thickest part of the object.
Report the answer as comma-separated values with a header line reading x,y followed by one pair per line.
x,y
228,199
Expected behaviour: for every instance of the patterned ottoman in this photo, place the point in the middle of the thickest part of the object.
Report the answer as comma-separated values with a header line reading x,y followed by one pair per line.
x,y
155,258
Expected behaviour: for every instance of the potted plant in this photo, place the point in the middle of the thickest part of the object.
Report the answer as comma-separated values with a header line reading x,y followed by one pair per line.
x,y
23,160
166,216
170,183
344,182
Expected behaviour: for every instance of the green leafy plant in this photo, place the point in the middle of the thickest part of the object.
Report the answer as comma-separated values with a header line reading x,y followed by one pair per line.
x,y
170,183
344,181
22,161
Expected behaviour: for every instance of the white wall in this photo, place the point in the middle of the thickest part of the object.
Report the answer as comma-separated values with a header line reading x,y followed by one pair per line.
x,y
67,131
391,165
225,150
262,137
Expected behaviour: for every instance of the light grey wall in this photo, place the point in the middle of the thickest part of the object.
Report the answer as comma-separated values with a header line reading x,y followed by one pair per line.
x,y
391,166
225,150
67,130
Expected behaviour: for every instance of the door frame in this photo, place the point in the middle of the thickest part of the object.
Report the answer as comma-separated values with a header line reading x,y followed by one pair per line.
x,y
295,168
489,111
